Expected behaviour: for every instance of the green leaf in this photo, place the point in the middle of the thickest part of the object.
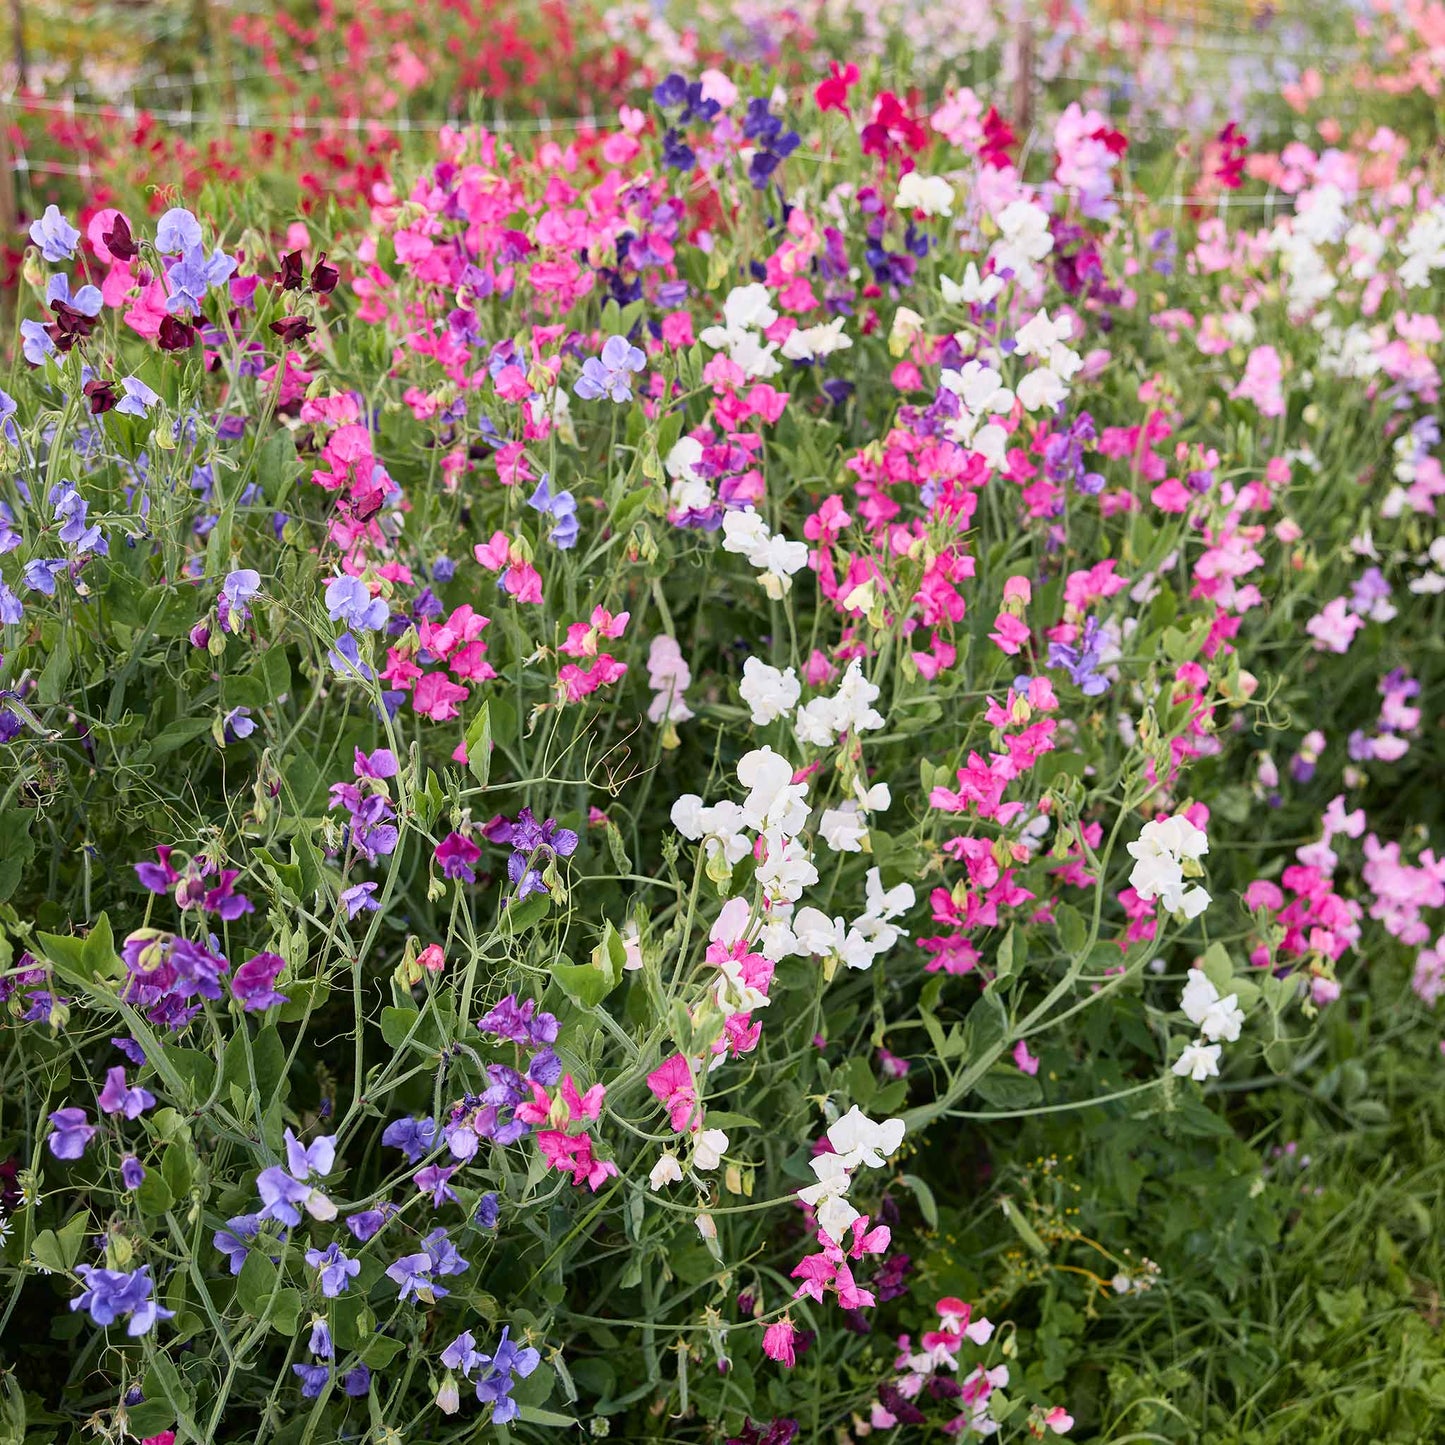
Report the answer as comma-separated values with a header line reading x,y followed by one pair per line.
x,y
986,1025
1004,963
479,745
256,1284
1008,1088
380,1351
58,1249
1072,932
154,1195
399,1024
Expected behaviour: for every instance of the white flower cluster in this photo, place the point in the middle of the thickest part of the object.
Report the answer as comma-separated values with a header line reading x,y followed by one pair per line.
x,y
771,694
1217,1019
856,1140
747,313
1024,238
811,343
981,392
776,810
1168,852
775,557
1423,247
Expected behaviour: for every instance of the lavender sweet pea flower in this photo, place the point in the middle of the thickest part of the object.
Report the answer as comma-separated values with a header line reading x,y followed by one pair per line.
x,y
610,375
335,1269
12,610
443,1253
318,1157
236,592
488,1211
8,408
562,508
70,1134
433,1180
177,231
357,1382
237,724
55,236
87,300
412,1272
35,342
111,1293
138,399
39,574
116,1098
345,657
132,1172
233,1241
320,1343
364,1225
348,600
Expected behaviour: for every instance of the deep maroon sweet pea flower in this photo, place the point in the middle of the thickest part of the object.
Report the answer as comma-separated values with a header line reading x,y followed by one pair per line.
x,y
253,984
70,1134
456,855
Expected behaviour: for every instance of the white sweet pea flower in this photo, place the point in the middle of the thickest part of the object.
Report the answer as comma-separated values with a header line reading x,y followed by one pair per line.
x,y
930,194
972,291
1041,390
877,799
1199,1061
861,1140
708,1149
768,692
843,829
774,800
667,1170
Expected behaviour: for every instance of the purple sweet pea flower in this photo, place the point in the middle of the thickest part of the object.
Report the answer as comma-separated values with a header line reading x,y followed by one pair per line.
x,y
320,1343
357,899
132,1172
70,1134
456,855
253,984
313,1379
414,1137
336,1271
364,1225
357,1382
116,1098
433,1180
